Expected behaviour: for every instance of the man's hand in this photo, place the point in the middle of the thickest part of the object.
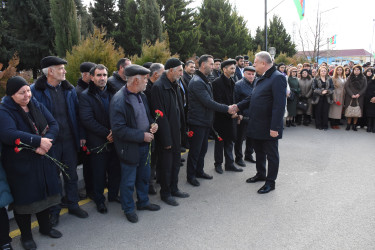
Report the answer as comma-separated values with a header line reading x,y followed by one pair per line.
x,y
274,133
46,144
110,137
168,147
82,142
154,128
234,116
148,137
372,100
40,151
232,109
324,92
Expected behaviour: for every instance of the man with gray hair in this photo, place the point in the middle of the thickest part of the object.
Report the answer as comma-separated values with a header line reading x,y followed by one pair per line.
x,y
166,97
156,70
60,98
266,113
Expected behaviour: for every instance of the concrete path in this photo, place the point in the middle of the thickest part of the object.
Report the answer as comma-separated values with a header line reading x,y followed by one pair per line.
x,y
324,199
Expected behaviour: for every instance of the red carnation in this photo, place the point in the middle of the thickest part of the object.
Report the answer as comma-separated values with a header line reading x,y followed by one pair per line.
x,y
17,150
158,112
190,134
338,103
220,139
88,152
17,142
84,148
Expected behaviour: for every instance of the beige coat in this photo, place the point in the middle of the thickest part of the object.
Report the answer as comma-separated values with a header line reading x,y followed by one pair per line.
x,y
335,111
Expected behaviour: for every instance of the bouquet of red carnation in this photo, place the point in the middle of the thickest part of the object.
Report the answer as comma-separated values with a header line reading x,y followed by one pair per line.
x,y
99,148
217,135
18,149
338,103
190,134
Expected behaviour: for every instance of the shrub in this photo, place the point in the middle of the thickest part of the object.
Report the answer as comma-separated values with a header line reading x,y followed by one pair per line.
x,y
159,52
95,48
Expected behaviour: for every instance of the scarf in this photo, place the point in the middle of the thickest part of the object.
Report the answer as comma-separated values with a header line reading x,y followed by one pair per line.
x,y
35,119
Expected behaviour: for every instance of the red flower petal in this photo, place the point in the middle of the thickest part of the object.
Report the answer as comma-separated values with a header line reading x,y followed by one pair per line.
x,y
88,152
84,148
18,141
219,138
17,150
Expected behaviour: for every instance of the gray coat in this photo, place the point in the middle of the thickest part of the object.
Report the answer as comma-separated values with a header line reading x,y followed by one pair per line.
x,y
201,103
305,86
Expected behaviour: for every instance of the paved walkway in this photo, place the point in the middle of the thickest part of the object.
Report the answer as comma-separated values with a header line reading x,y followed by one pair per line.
x,y
324,199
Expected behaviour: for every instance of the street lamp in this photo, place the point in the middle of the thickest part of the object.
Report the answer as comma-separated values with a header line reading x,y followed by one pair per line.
x,y
272,51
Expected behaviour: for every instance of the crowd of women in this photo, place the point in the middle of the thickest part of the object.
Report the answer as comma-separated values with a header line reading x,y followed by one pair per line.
x,y
330,94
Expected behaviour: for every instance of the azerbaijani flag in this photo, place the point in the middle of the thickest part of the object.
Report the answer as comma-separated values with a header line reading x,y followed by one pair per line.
x,y
300,4
332,40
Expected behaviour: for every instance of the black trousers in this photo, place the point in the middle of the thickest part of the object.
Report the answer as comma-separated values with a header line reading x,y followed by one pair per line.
x,y
241,136
321,113
267,150
4,227
153,166
24,223
102,165
87,173
225,147
198,149
169,165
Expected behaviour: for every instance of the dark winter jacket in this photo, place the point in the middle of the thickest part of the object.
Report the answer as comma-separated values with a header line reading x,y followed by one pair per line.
x,y
41,93
127,137
116,81
81,86
31,177
242,90
267,108
5,195
94,116
370,93
201,103
223,92
317,87
166,97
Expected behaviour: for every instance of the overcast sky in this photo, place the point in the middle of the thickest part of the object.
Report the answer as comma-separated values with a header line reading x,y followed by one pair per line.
x,y
352,21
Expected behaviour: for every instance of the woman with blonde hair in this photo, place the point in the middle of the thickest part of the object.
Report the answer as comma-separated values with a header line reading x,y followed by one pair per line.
x,y
335,109
322,97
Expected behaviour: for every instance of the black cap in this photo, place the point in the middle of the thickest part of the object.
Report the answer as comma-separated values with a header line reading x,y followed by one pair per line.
x,y
246,58
249,68
14,84
217,60
51,61
86,66
228,62
134,69
172,63
147,65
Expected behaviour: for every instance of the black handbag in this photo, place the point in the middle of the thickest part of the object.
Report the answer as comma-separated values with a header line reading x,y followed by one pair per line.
x,y
302,105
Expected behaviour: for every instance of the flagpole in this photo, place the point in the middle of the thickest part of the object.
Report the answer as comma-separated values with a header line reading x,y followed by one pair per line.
x,y
265,25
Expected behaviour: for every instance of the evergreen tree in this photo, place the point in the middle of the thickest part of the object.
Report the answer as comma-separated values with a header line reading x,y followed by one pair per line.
x,y
4,49
64,18
85,21
277,37
127,34
182,26
31,31
104,15
151,23
223,31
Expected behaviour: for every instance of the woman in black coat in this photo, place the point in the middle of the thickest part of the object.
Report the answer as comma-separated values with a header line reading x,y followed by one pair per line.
x,y
32,177
370,105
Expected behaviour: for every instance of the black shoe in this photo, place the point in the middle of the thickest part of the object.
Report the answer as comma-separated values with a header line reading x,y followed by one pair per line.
x,y
348,127
180,194
82,196
53,233
149,207
255,178
204,176
250,159
354,127
79,212
194,182
115,199
181,164
132,217
240,162
170,201
102,208
219,169
183,160
28,244
7,246
292,124
54,220
288,123
151,189
266,188
233,168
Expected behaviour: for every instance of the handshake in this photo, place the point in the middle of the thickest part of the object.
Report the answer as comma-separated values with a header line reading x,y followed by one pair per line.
x,y
232,109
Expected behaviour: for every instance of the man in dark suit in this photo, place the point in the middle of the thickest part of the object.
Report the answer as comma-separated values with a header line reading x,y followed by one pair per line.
x,y
224,123
266,114
239,68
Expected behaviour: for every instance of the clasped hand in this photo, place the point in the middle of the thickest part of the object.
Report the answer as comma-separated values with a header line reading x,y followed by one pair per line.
x,y
232,109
